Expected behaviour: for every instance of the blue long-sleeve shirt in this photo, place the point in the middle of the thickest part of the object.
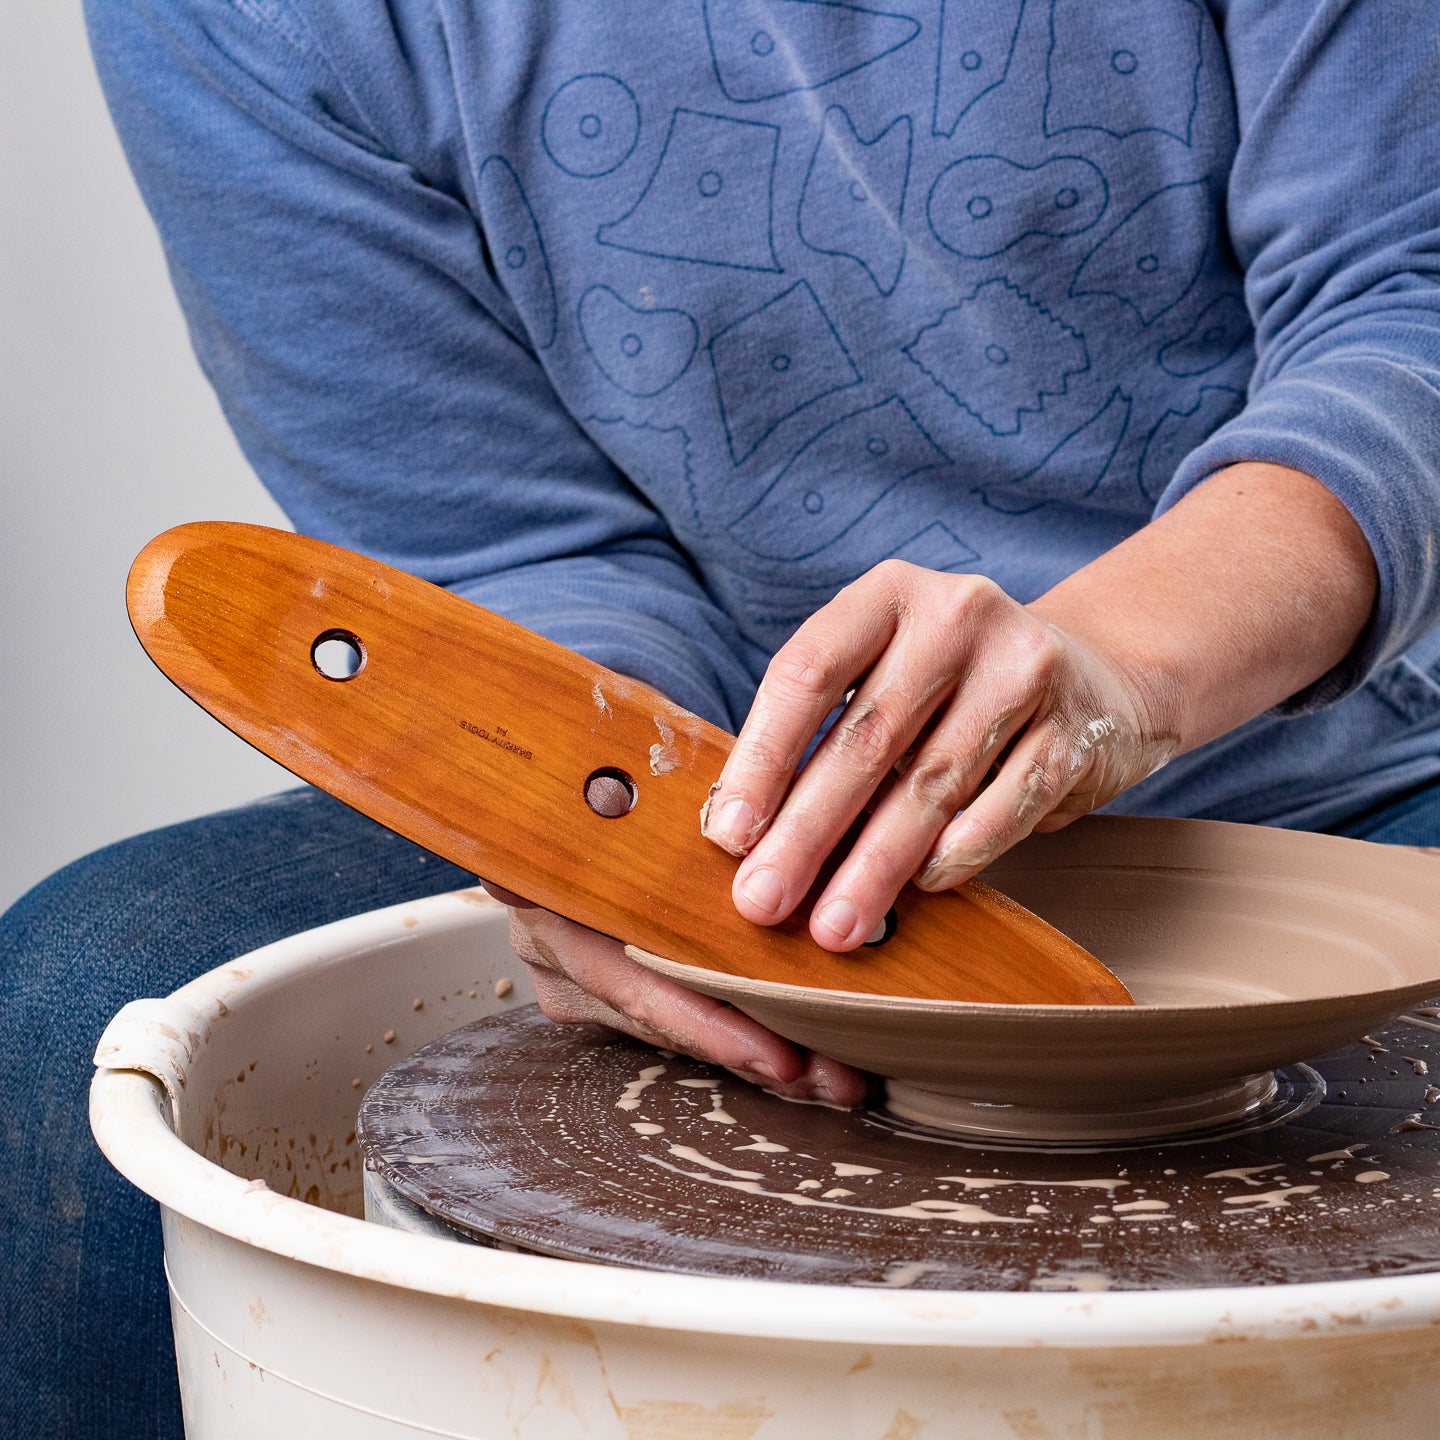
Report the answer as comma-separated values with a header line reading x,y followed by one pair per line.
x,y
652,323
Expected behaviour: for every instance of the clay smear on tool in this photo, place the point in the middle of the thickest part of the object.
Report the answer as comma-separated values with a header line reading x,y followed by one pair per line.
x,y
664,757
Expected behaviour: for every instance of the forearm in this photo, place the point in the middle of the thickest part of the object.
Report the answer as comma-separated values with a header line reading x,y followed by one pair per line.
x,y
1254,585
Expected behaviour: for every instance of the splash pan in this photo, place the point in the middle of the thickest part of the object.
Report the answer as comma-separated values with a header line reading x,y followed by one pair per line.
x,y
1246,948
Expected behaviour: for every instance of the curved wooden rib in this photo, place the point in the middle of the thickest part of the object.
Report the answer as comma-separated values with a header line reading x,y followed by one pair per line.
x,y
475,738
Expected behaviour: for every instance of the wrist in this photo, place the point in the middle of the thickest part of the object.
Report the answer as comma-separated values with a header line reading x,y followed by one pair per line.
x,y
1250,588
1154,682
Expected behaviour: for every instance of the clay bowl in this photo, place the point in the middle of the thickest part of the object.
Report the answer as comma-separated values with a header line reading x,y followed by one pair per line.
x,y
1245,947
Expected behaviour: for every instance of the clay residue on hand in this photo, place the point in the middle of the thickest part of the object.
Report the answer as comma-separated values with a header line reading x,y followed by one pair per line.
x,y
853,724
752,832
705,808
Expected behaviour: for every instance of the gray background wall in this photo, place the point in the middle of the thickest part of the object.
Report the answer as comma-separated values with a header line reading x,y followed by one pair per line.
x,y
108,434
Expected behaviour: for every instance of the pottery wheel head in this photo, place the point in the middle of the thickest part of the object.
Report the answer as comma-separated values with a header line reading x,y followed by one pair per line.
x,y
1246,948
577,1142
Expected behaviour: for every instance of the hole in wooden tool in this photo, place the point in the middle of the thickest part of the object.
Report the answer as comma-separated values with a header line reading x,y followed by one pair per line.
x,y
610,792
885,929
338,655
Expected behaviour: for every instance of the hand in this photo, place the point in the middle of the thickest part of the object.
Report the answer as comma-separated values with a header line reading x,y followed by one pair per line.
x,y
945,675
584,977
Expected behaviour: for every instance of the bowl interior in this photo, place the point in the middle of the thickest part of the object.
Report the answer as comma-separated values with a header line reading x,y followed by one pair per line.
x,y
1194,912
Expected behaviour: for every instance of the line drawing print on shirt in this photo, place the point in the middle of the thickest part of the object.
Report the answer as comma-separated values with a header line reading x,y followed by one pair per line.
x,y
967,351
1150,260
653,469
835,480
1177,432
761,49
983,204
590,125
1074,470
853,199
1104,70
514,237
936,547
710,199
1220,329
773,361
977,46
641,352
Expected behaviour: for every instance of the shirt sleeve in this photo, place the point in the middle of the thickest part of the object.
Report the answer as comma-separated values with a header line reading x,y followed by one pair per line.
x,y
343,304
1334,215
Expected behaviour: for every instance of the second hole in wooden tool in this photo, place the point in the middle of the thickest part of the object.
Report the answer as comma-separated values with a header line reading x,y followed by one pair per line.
x,y
885,929
610,793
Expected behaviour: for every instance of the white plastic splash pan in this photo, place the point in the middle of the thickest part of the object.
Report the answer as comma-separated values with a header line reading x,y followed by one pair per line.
x,y
233,1103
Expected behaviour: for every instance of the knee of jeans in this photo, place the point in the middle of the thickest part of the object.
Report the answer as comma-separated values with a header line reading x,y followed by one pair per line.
x,y
78,939
143,916
136,918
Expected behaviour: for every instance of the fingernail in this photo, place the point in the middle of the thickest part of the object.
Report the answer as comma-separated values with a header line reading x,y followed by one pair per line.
x,y
764,889
838,916
823,1093
759,1071
731,825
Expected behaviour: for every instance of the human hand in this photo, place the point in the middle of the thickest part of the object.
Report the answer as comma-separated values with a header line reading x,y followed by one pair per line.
x,y
948,672
583,977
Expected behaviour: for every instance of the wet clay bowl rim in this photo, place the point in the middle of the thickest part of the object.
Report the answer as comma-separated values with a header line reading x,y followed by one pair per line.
x,y
1246,948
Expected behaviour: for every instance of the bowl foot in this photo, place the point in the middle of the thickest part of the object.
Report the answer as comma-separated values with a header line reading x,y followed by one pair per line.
x,y
1119,1120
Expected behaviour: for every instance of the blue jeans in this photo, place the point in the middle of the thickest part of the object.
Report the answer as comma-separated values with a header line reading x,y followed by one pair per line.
x,y
85,1348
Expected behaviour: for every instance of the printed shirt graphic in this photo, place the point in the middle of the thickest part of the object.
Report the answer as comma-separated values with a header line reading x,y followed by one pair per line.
x,y
837,285
819,283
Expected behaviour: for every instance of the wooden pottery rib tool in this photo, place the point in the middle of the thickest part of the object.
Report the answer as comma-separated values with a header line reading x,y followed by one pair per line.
x,y
529,765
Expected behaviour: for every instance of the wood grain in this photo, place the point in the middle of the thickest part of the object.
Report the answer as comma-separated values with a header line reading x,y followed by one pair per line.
x,y
476,738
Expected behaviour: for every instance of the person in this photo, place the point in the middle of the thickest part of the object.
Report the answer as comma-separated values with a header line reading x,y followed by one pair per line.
x,y
995,411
